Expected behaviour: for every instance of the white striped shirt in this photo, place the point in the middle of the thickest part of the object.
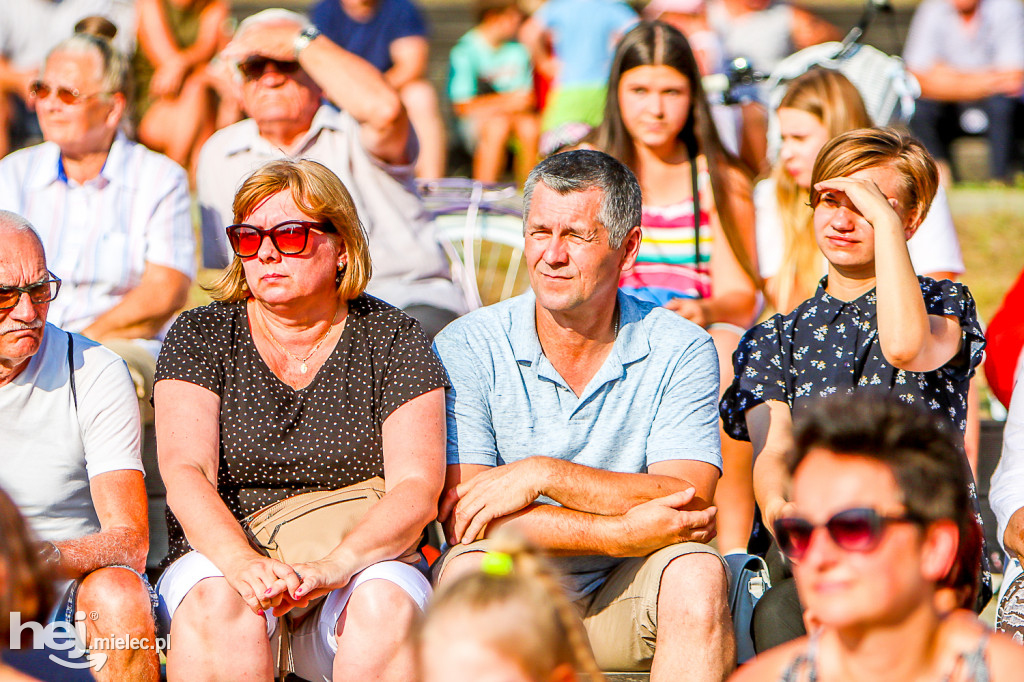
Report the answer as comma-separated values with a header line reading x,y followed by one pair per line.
x,y
100,235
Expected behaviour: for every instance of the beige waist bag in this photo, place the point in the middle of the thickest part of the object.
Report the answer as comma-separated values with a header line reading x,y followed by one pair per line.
x,y
306,527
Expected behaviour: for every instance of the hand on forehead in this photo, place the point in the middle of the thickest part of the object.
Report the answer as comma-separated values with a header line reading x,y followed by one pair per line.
x,y
272,37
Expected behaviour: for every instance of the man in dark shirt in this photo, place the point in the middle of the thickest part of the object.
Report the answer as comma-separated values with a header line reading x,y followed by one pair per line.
x,y
392,35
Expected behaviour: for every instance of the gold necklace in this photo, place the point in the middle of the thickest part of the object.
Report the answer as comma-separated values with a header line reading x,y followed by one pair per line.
x,y
302,361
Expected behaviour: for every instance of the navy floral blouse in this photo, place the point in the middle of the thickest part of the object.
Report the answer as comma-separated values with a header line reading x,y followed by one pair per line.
x,y
829,346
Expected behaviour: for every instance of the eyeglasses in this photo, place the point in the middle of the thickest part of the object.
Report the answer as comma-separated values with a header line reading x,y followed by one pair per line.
x,y
40,292
289,237
253,68
855,530
40,91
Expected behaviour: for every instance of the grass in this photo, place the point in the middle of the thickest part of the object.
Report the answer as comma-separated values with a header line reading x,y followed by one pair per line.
x,y
990,224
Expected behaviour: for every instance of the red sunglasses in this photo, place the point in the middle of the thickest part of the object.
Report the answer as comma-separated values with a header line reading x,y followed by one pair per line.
x,y
289,237
854,530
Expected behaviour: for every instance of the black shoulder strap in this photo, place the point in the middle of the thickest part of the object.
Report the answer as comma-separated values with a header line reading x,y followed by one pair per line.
x,y
696,210
71,367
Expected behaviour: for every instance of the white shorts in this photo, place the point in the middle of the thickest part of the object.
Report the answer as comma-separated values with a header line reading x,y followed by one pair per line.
x,y
313,641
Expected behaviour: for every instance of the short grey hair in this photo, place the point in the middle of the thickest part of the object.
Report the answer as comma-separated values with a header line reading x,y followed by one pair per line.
x,y
9,220
113,73
583,169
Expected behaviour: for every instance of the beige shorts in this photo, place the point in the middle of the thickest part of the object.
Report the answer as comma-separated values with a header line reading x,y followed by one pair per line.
x,y
621,616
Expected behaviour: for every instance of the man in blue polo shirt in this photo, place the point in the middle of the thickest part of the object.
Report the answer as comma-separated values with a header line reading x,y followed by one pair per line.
x,y
586,420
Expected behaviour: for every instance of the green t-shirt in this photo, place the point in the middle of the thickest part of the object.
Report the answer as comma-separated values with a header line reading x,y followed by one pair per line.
x,y
478,68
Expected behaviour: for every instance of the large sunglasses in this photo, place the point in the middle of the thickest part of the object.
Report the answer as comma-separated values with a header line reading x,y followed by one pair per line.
x,y
854,530
40,292
40,91
289,237
253,68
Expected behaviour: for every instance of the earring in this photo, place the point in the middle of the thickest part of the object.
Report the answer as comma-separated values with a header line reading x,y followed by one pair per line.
x,y
341,271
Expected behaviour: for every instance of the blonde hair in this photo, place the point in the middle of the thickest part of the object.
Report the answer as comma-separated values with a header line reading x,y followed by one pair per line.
x,y
858,150
319,194
517,608
831,98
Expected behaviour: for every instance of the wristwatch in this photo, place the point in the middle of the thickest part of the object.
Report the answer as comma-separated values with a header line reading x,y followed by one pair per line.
x,y
50,554
305,37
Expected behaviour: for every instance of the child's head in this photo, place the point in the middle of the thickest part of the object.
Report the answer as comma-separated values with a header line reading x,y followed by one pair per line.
x,y
871,148
505,15
24,580
508,623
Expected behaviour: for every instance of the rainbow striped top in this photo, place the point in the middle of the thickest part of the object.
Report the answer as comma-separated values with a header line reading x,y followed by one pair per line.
x,y
667,266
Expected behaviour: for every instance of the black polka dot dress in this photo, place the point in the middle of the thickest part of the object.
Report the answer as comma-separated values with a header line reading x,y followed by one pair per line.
x,y
276,441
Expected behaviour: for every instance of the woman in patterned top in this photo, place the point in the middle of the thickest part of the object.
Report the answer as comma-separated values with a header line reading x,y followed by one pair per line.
x,y
879,492
872,325
295,380
696,255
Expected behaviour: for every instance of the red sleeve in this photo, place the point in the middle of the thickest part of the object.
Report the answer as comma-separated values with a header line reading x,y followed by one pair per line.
x,y
1005,335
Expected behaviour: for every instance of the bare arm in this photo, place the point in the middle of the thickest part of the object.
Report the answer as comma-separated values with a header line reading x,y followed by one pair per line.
x,y
535,38
188,443
495,103
597,504
910,338
158,44
770,425
144,310
943,83
413,440
409,60
14,80
172,63
348,80
734,296
810,29
119,498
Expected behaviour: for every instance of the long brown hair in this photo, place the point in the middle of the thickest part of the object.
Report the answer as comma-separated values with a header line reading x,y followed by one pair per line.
x,y
830,97
655,43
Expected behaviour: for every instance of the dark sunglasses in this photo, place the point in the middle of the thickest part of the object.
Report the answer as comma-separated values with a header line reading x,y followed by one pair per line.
x,y
253,68
40,90
40,292
854,530
289,237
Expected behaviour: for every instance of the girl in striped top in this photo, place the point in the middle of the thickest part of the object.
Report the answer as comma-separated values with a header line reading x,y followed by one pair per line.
x,y
658,122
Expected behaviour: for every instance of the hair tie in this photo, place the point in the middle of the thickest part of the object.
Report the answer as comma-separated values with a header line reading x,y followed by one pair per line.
x,y
496,563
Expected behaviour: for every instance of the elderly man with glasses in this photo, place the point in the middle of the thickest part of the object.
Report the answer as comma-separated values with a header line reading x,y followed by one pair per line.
x,y
306,97
114,216
71,462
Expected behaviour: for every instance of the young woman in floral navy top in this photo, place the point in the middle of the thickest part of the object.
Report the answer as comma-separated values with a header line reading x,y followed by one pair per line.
x,y
872,324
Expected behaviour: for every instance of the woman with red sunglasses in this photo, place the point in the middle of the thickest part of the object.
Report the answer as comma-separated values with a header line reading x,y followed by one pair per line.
x,y
879,500
295,380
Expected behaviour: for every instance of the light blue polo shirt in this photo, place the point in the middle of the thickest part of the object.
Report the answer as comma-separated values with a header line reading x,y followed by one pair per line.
x,y
654,399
